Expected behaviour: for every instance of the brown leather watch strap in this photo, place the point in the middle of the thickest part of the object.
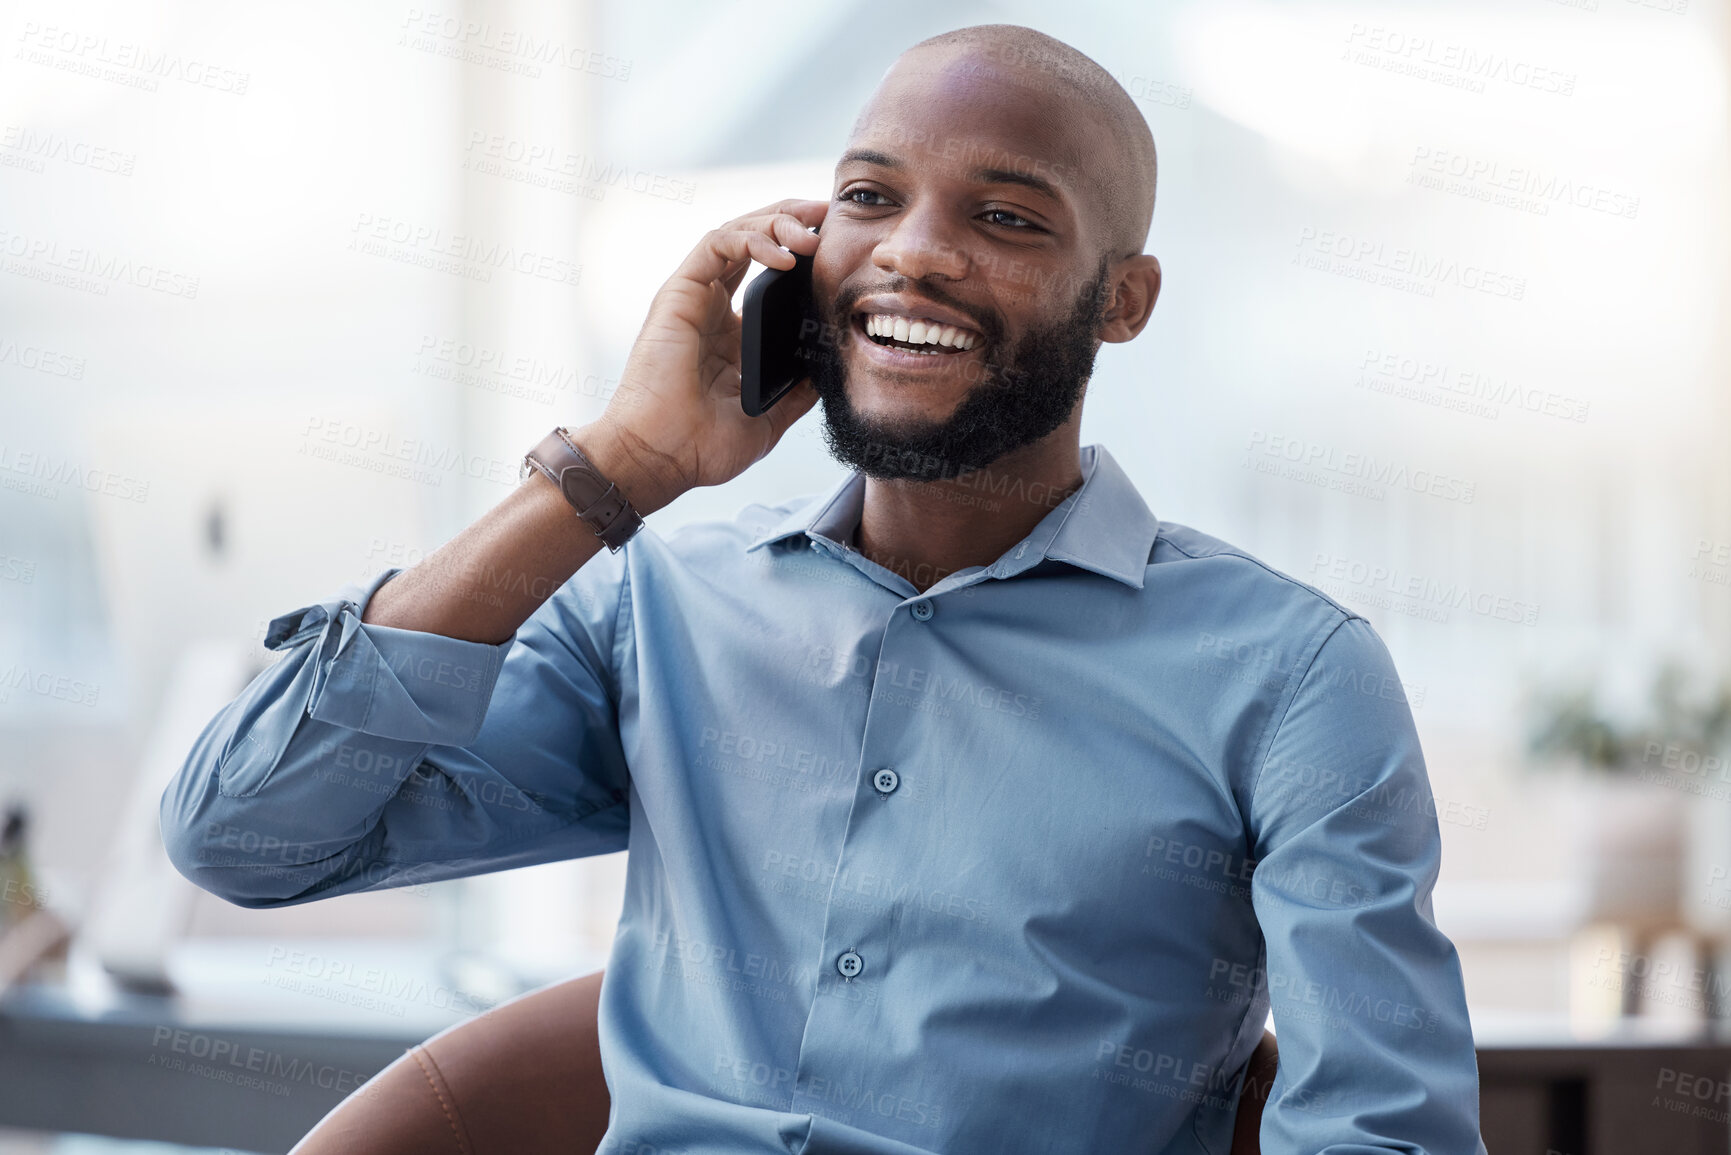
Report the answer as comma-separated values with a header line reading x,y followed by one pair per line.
x,y
596,500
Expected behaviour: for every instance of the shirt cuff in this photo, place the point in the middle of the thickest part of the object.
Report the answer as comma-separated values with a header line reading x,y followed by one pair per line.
x,y
408,685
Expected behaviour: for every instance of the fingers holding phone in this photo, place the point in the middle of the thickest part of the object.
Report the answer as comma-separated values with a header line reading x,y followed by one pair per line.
x,y
728,251
678,402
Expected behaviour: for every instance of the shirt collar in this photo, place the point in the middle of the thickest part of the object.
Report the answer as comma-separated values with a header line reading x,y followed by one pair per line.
x,y
1104,527
827,513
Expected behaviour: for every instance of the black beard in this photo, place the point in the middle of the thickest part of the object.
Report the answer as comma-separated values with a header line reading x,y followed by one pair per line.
x,y
1020,397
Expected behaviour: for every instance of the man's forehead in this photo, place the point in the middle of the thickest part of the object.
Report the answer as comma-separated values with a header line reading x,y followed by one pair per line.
x,y
973,120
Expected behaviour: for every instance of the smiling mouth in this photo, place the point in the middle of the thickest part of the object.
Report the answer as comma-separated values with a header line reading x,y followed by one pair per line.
x,y
917,337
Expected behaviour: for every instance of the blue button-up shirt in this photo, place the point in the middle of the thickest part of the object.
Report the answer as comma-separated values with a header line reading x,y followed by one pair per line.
x,y
1017,863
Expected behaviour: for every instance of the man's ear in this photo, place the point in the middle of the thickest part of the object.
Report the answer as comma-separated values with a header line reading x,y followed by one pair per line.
x,y
1137,286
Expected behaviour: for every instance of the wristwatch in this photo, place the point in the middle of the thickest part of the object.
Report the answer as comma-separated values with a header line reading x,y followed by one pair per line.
x,y
596,500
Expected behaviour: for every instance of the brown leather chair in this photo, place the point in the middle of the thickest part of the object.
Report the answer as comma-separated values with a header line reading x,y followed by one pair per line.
x,y
472,1088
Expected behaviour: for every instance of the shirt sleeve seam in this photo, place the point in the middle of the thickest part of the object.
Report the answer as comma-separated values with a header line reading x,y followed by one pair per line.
x,y
1271,731
1266,568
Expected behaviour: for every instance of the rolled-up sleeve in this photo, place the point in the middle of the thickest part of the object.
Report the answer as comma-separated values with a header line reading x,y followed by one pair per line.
x,y
1376,1050
370,756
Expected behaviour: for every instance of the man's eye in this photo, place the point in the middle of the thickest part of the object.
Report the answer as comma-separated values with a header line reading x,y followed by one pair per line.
x,y
852,193
1026,223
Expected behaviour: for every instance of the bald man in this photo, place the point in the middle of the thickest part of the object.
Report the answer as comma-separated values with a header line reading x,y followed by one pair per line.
x,y
969,806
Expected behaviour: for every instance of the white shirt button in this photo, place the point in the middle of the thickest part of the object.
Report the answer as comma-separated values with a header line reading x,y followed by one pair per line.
x,y
886,780
850,964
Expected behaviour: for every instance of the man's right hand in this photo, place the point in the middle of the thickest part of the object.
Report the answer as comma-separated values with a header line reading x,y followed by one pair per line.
x,y
675,422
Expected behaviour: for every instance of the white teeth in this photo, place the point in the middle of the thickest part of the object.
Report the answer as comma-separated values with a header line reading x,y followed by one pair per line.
x,y
918,332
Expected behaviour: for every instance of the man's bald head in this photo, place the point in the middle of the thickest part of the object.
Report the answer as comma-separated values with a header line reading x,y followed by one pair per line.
x,y
1000,184
1118,185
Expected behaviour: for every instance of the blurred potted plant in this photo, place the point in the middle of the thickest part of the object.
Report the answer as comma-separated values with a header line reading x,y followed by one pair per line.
x,y
1654,796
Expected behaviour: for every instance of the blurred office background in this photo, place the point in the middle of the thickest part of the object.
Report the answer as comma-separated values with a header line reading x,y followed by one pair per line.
x,y
1443,332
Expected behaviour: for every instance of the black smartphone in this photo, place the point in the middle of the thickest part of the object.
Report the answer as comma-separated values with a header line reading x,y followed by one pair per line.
x,y
778,333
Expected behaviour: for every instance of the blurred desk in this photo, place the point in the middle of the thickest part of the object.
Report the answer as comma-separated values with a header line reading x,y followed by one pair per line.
x,y
264,1040
1636,1087
136,1072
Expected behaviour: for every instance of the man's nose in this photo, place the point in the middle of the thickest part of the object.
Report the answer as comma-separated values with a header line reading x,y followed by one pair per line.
x,y
922,245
